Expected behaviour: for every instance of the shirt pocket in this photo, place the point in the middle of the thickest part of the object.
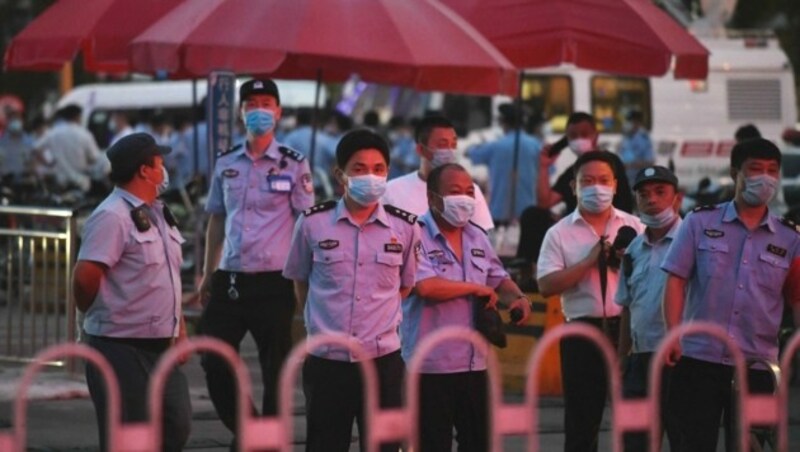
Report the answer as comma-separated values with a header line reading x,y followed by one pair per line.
x,y
268,199
480,268
712,259
233,192
771,272
328,264
148,249
176,243
388,270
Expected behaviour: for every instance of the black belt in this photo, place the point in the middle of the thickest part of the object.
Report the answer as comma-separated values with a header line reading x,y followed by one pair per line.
x,y
598,321
156,345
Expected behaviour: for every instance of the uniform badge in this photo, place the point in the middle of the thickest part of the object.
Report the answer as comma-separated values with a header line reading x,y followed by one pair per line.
x,y
230,172
478,252
776,250
713,233
393,247
305,181
328,244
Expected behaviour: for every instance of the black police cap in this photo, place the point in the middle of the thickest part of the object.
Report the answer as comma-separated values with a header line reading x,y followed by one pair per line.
x,y
655,174
132,151
259,86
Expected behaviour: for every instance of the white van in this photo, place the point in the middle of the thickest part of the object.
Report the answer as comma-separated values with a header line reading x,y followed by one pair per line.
x,y
174,98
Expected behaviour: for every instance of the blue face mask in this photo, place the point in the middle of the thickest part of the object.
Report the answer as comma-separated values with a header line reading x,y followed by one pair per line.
x,y
596,198
259,121
759,190
367,189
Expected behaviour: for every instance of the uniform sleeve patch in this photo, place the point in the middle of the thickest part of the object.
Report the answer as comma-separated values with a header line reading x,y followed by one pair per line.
x,y
305,181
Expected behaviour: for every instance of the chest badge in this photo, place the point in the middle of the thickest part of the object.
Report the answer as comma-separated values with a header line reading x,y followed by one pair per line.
x,y
328,244
393,247
477,252
714,233
776,250
230,172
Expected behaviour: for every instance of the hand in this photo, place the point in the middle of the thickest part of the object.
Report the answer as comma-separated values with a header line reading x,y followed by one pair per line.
x,y
674,354
523,305
182,336
204,289
486,291
545,159
594,253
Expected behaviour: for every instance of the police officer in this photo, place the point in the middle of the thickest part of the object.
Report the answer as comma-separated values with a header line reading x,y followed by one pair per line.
x,y
127,281
257,190
457,266
728,265
352,261
641,284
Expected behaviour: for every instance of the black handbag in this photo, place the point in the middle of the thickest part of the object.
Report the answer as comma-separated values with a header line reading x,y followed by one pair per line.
x,y
488,322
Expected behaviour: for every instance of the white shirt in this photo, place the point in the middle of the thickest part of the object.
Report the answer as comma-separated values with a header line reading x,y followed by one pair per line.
x,y
410,193
74,152
567,243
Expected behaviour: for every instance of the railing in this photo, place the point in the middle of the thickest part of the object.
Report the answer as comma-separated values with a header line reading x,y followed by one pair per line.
x,y
37,250
401,424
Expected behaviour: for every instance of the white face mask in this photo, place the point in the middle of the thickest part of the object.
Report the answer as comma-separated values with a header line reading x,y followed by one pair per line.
x,y
442,156
367,189
596,198
659,220
458,209
580,146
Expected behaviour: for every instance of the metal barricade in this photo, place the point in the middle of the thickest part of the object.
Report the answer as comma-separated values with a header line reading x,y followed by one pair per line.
x,y
37,249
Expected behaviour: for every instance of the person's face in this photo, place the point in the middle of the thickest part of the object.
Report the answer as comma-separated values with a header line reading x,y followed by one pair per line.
x,y
453,181
262,101
754,167
654,197
439,138
595,172
582,129
154,174
363,162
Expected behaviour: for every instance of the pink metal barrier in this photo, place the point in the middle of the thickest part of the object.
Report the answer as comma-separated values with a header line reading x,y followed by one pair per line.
x,y
400,424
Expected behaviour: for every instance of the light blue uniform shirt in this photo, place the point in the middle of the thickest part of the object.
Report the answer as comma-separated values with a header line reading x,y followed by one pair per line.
x,y
734,278
499,157
421,317
300,139
140,293
635,148
643,291
260,200
15,152
354,275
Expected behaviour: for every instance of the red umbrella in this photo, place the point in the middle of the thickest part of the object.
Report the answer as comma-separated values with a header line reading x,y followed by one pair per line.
x,y
101,29
416,43
632,37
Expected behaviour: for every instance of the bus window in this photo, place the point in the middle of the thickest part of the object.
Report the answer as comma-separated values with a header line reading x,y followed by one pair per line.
x,y
468,112
550,96
613,97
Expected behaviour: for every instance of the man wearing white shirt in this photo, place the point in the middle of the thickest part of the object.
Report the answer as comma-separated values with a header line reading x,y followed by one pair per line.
x,y
436,144
568,265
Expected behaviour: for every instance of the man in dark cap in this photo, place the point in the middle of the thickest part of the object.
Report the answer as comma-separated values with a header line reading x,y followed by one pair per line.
x,y
352,261
127,282
728,265
257,190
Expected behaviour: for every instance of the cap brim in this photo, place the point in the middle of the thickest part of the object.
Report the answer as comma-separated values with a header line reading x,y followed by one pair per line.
x,y
163,150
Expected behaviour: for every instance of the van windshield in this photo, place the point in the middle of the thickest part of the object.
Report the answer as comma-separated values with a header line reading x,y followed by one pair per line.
x,y
614,97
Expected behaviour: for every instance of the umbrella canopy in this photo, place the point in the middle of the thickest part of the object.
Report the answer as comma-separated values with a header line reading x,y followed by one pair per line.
x,y
416,43
631,37
101,29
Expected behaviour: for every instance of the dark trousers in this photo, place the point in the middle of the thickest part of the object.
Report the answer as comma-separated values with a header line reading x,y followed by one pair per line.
x,y
133,362
454,400
699,393
635,383
533,225
334,398
265,308
584,375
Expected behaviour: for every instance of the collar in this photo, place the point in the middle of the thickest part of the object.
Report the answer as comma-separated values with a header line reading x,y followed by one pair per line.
x,y
272,151
379,215
129,197
576,215
669,236
729,214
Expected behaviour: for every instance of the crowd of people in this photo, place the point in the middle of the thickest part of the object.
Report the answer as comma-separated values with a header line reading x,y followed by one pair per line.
x,y
404,251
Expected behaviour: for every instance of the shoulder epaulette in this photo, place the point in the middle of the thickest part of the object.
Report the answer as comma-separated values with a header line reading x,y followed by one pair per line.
x,y
322,207
409,217
476,225
790,224
291,153
233,148
704,208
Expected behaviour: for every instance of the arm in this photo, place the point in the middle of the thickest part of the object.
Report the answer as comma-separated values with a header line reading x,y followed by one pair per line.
x,y
215,234
86,278
624,347
440,289
545,196
561,280
513,297
301,292
674,299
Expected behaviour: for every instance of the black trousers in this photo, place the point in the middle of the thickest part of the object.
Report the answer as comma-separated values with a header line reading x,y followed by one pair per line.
x,y
334,398
635,383
700,392
584,375
454,400
264,308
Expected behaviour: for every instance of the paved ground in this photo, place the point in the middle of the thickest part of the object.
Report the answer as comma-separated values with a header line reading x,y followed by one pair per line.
x,y
61,418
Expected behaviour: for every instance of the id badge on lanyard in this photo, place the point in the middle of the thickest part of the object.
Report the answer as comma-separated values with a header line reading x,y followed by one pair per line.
x,y
279,183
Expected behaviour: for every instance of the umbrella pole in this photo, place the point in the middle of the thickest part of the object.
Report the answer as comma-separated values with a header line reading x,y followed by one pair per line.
x,y
195,132
314,114
515,161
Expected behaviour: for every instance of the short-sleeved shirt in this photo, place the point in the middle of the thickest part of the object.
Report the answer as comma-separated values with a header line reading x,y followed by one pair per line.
x,y
480,265
569,242
734,278
140,293
623,199
636,148
410,193
641,289
15,153
354,274
499,157
260,200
